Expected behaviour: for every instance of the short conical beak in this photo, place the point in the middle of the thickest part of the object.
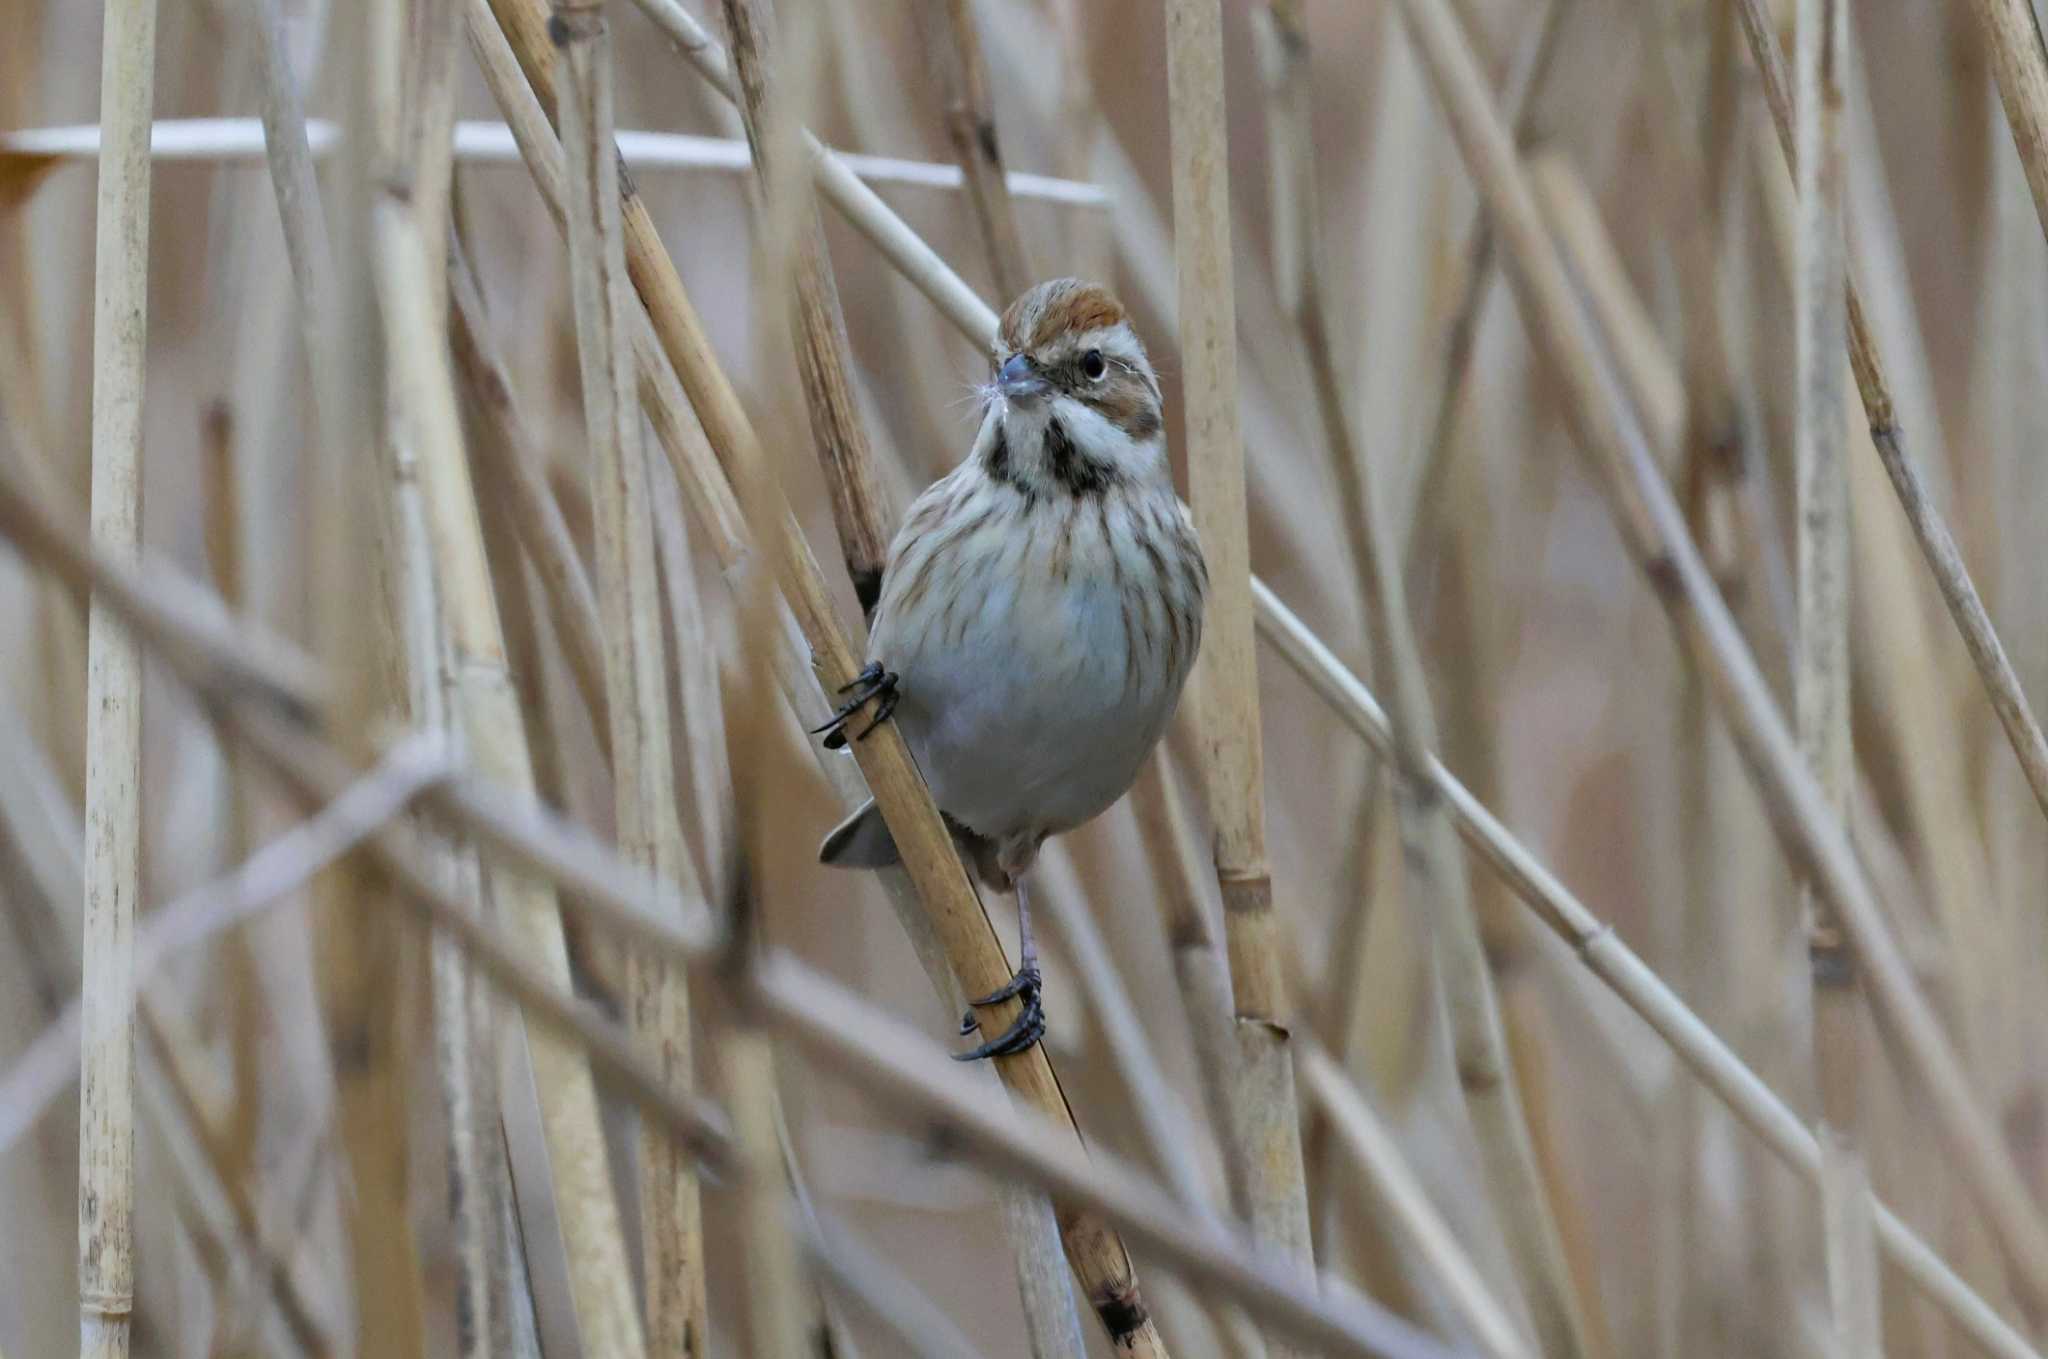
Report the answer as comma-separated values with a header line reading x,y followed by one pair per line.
x,y
1019,378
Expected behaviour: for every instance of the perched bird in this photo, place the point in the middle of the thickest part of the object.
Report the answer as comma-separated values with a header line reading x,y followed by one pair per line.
x,y
1040,609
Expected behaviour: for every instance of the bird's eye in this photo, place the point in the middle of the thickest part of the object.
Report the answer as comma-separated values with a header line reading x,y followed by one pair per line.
x,y
1093,365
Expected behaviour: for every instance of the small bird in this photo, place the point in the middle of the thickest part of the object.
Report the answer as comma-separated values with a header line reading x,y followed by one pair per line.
x,y
1040,609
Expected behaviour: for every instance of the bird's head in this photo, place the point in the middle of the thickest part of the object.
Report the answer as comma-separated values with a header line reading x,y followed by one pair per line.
x,y
1074,404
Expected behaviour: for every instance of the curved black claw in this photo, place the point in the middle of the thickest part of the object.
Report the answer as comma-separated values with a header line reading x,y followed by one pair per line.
x,y
1024,1031
871,682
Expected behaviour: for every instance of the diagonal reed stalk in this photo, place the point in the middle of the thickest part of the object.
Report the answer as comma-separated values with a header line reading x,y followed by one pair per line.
x,y
628,593
2019,63
1655,531
113,684
954,47
1433,865
952,914
1820,677
1264,1131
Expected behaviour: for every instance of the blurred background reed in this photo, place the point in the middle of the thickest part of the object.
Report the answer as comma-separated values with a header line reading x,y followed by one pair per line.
x,y
1496,267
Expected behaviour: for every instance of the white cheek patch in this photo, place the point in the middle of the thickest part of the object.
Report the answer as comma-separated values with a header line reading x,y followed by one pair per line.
x,y
1097,438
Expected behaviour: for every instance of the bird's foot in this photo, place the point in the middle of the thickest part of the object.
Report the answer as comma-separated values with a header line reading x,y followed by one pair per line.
x,y
1025,1031
871,682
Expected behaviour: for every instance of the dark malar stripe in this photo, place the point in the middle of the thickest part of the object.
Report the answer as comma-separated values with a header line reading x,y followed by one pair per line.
x,y
1080,474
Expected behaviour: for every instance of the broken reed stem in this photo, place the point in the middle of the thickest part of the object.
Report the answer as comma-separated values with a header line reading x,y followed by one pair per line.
x,y
113,682
1407,1208
1820,678
1654,529
800,265
954,46
1264,1133
955,915
1437,888
1937,545
629,603
251,675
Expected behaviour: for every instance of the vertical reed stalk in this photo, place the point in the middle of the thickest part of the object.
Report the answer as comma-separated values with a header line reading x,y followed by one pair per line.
x,y
113,686
1821,666
1434,866
1264,1131
629,601
1651,523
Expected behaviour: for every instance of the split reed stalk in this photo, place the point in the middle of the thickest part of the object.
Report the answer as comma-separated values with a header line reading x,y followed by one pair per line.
x,y
1937,544
113,686
1821,668
1435,882
1264,1132
1655,531
636,680
966,938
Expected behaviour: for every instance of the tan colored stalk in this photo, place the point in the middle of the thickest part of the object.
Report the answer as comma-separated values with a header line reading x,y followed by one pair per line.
x,y
962,929
1408,1209
1434,877
816,323
1264,1133
113,689
629,602
2020,65
954,47
251,675
1820,668
1937,545
1655,531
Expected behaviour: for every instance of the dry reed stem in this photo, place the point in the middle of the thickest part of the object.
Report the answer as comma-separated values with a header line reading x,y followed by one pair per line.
x,y
629,602
1407,1208
2020,65
1639,987
521,492
1937,544
1820,665
250,676
967,939
1434,867
802,268
902,247
1655,531
113,680
954,46
1264,1131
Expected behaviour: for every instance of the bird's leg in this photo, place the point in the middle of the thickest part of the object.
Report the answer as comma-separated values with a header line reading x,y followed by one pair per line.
x,y
1029,1025
870,682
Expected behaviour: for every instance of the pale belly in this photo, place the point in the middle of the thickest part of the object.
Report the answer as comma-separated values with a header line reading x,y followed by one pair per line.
x,y
1028,714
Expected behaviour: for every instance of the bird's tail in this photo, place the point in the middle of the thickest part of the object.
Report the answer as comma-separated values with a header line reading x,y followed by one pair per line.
x,y
860,841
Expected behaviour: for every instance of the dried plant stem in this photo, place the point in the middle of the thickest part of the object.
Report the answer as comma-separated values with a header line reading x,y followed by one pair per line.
x,y
249,674
1408,1209
1937,544
629,602
2020,65
1434,866
113,680
1821,667
816,323
955,915
1654,528
955,49
1264,1132
1608,958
